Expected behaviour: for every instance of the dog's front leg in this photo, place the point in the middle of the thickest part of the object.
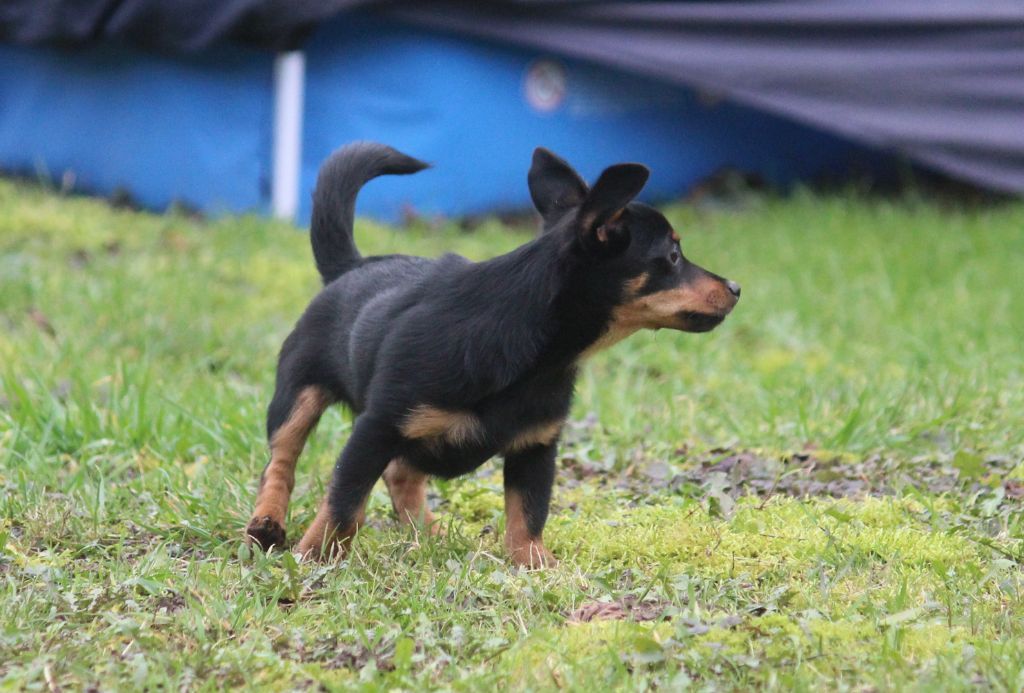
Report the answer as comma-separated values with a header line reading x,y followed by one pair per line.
x,y
529,476
372,445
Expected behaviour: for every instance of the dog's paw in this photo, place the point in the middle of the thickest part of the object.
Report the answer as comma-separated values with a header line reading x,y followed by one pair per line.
x,y
436,529
319,553
533,556
266,532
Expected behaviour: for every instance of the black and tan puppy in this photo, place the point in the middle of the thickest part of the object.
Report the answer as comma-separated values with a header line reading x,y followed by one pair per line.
x,y
449,362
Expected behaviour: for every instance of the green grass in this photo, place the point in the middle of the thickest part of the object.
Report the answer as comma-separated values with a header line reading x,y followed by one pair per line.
x,y
136,359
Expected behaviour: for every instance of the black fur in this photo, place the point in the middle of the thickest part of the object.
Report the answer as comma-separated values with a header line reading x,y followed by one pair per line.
x,y
531,472
334,201
501,339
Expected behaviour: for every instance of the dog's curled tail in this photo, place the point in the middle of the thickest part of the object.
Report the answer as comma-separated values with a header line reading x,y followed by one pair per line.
x,y
334,200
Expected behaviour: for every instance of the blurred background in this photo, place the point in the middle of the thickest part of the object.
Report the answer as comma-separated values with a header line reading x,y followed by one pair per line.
x,y
231,105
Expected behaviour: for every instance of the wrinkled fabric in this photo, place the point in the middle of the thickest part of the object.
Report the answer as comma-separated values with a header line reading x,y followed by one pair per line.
x,y
186,26
938,81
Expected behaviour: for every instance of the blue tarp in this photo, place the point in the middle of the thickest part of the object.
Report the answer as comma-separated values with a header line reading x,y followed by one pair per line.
x,y
468,107
192,129
197,128
173,100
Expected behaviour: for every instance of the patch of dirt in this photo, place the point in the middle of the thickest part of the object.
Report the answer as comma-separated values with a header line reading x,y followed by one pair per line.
x,y
172,602
811,474
331,653
807,473
355,657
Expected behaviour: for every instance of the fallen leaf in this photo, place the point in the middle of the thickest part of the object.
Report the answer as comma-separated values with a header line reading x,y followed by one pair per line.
x,y
598,611
41,321
1014,489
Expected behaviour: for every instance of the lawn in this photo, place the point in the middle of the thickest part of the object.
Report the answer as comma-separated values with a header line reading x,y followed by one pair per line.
x,y
822,494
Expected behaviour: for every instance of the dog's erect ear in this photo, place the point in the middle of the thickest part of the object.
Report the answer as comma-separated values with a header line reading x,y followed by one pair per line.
x,y
600,217
554,185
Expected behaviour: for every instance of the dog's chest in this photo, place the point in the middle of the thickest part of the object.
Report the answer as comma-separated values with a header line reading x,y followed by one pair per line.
x,y
452,441
443,430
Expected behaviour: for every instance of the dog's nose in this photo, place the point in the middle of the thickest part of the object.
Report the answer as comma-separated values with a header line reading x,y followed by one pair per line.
x,y
734,288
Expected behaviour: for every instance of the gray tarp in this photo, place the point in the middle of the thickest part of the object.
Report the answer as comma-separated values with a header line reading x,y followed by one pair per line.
x,y
939,81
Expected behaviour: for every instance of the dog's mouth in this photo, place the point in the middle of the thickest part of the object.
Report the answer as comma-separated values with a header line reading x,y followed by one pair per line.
x,y
692,321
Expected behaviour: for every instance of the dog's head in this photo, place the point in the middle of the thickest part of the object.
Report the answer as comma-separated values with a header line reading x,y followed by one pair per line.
x,y
630,247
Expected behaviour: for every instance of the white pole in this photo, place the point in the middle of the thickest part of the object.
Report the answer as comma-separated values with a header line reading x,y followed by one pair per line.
x,y
289,85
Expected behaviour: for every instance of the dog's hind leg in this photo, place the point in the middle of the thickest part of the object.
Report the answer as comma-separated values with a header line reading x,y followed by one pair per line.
x,y
373,444
408,488
289,422
529,476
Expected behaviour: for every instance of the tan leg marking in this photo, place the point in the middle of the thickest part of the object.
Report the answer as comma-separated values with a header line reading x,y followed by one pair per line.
x,y
408,488
429,423
524,549
541,434
324,540
266,526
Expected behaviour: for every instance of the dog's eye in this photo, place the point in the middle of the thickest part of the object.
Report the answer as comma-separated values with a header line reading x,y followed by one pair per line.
x,y
673,257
